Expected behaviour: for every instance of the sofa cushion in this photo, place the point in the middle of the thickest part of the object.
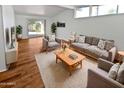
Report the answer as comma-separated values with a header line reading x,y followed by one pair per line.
x,y
108,45
53,44
98,51
95,41
81,39
101,44
114,71
88,40
120,76
81,45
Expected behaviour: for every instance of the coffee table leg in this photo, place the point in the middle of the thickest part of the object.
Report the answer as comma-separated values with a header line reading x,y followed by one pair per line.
x,y
81,64
70,70
70,73
56,59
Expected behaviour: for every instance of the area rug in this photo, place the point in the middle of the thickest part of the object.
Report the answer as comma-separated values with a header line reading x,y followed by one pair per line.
x,y
56,75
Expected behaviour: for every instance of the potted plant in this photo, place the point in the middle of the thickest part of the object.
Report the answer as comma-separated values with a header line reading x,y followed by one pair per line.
x,y
53,28
19,31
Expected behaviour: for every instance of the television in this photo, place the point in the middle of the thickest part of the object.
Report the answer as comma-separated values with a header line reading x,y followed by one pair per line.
x,y
7,36
12,36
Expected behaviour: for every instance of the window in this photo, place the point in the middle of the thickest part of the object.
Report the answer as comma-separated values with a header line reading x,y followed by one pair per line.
x,y
94,10
82,12
107,9
98,10
120,8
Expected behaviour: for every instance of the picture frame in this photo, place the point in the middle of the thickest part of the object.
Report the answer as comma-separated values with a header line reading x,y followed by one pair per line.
x,y
60,24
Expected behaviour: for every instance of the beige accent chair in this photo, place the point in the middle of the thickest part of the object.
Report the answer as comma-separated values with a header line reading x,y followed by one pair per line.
x,y
49,45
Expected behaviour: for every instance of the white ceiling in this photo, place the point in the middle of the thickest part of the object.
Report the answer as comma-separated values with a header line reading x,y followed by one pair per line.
x,y
44,10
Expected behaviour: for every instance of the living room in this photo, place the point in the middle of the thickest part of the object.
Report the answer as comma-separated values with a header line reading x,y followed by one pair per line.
x,y
103,27
59,43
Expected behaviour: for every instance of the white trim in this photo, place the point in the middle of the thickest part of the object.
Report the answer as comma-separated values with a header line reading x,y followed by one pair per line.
x,y
3,70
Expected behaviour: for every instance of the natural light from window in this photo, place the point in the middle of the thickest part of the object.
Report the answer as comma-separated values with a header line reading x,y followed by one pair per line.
x,y
94,11
98,10
35,27
107,9
82,12
121,9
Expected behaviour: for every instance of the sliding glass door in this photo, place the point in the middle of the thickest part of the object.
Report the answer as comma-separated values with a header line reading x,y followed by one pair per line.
x,y
35,27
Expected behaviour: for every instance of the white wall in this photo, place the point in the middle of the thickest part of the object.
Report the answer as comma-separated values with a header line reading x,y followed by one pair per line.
x,y
109,27
2,49
8,18
23,21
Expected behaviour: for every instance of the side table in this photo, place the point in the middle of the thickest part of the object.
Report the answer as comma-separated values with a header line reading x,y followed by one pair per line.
x,y
121,56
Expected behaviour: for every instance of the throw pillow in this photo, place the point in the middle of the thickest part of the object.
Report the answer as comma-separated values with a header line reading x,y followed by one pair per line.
x,y
108,45
120,76
52,38
101,44
81,39
76,39
95,41
88,40
114,71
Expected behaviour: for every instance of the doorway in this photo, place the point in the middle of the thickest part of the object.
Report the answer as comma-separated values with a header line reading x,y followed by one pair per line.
x,y
35,28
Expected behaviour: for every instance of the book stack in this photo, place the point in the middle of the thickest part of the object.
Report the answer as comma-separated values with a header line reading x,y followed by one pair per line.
x,y
73,56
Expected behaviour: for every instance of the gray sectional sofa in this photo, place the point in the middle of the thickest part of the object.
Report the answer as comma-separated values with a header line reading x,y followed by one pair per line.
x,y
90,48
98,78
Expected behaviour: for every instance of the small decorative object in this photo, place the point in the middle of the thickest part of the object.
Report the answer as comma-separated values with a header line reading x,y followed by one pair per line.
x,y
53,28
19,31
63,46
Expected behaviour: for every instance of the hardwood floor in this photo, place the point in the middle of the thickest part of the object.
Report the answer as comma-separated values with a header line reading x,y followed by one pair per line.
x,y
24,72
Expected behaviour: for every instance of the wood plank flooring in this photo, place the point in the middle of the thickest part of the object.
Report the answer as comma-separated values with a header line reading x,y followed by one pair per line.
x,y
24,73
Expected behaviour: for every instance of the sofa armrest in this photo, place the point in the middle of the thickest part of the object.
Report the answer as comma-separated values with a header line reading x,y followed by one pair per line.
x,y
44,44
112,53
72,41
58,40
104,64
46,37
98,80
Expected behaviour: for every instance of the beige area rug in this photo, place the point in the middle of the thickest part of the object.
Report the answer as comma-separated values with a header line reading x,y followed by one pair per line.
x,y
56,75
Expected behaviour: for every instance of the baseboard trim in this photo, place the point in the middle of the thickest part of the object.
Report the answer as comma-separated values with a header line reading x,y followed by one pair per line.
x,y
3,70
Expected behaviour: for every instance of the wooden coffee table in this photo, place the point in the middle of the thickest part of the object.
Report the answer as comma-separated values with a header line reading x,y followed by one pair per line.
x,y
64,57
